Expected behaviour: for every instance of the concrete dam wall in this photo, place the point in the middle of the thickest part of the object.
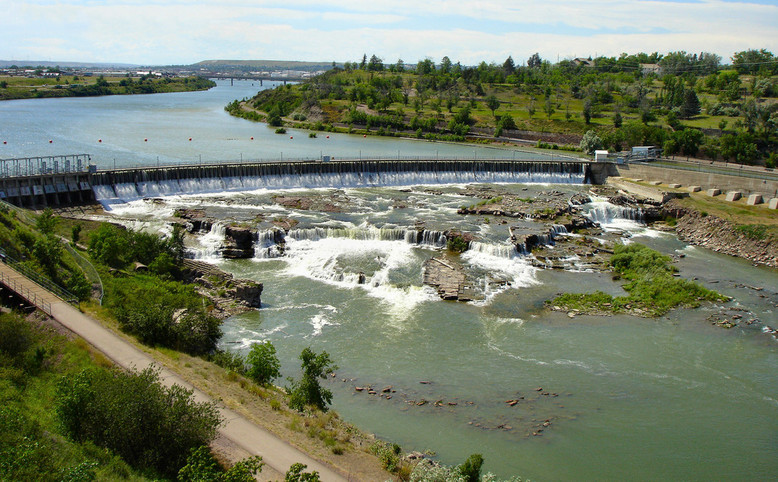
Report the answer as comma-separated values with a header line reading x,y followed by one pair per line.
x,y
125,185
114,186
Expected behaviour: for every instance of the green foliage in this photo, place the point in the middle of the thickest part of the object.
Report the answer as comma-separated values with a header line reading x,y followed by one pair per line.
x,y
166,313
134,415
201,466
296,473
263,364
757,232
591,142
388,454
471,468
651,286
31,447
117,247
46,222
457,244
307,390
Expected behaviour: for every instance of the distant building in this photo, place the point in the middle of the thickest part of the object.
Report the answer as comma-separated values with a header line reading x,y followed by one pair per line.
x,y
584,62
646,69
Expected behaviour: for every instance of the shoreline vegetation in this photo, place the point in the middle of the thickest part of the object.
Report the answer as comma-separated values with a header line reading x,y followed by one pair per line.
x,y
12,88
683,103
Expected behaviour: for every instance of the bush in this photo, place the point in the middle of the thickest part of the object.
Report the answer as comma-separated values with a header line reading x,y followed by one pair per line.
x,y
307,390
263,364
134,415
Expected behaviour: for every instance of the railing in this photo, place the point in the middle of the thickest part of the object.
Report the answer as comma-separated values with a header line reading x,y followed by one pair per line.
x,y
36,166
25,293
706,167
88,268
38,279
516,155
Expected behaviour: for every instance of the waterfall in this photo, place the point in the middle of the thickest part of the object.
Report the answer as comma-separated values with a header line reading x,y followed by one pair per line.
x,y
291,175
507,251
266,246
604,212
210,243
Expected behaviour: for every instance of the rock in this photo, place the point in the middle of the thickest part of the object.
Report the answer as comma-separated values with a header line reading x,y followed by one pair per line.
x,y
247,292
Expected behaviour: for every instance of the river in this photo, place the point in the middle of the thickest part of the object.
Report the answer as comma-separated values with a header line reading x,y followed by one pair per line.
x,y
624,398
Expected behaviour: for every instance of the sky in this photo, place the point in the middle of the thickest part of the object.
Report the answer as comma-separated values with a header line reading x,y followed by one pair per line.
x,y
164,32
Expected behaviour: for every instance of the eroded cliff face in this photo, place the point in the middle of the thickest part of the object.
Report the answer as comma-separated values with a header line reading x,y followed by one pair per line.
x,y
720,235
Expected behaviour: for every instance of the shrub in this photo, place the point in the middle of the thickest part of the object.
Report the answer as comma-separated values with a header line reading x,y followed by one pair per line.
x,y
307,390
263,363
134,415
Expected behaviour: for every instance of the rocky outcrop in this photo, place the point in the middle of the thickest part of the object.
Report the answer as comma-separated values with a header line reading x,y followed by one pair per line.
x,y
449,279
229,295
239,243
720,235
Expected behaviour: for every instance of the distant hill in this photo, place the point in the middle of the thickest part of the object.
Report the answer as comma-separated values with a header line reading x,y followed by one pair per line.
x,y
49,63
262,65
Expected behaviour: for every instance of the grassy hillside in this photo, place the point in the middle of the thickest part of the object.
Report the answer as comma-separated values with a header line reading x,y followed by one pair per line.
x,y
711,112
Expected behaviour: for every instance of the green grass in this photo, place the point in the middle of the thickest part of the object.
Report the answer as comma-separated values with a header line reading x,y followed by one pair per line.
x,y
31,444
651,286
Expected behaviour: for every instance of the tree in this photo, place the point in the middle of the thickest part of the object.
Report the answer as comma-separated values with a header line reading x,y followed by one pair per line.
x,y
548,108
590,142
201,466
534,61
445,65
471,468
264,366
691,104
375,64
46,222
752,61
296,474
492,103
131,413
364,62
509,66
617,121
307,390
587,112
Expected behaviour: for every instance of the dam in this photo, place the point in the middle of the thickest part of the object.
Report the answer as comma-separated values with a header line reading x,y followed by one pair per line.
x,y
43,186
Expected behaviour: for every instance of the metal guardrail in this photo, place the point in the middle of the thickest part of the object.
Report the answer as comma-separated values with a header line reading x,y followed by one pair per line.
x,y
713,169
25,293
88,268
38,279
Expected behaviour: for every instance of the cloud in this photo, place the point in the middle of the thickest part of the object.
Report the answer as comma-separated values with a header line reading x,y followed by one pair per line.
x,y
178,31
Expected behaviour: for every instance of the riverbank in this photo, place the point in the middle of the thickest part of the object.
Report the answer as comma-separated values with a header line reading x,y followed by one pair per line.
x,y
12,88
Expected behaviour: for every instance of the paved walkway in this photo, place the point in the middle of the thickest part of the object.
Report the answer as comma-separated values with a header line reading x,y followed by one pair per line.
x,y
276,453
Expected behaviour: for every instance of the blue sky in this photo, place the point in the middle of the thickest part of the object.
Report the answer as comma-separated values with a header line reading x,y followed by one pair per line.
x,y
181,32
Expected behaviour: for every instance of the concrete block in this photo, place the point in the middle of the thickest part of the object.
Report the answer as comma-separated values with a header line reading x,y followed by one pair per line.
x,y
754,199
655,183
733,195
773,203
674,186
637,180
713,192
694,188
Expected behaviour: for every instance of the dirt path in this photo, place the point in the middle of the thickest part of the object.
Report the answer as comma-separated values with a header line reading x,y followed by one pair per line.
x,y
237,430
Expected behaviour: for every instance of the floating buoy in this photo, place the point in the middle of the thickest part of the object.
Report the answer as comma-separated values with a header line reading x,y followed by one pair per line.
x,y
328,137
5,142
291,137
99,140
252,138
145,140
190,138
364,135
50,141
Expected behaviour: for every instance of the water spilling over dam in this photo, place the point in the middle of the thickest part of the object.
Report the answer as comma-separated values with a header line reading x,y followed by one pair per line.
x,y
119,186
